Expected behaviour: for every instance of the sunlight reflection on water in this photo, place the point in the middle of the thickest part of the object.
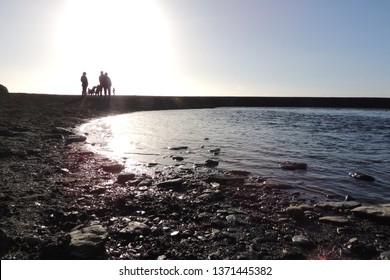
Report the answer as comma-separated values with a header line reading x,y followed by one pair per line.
x,y
331,141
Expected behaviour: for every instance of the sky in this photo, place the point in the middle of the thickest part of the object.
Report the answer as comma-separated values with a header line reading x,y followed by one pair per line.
x,y
332,48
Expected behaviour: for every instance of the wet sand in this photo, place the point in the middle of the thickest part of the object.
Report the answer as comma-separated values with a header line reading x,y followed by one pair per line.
x,y
60,201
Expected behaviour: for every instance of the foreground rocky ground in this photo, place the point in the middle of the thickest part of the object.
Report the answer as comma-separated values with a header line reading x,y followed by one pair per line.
x,y
60,201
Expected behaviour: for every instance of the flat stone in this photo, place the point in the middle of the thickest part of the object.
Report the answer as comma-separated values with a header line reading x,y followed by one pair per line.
x,y
338,204
88,242
57,136
380,211
301,240
63,131
171,183
338,220
76,138
135,228
178,148
124,177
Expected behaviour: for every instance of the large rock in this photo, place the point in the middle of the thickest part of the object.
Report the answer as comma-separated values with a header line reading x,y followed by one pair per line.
x,y
3,90
88,242
376,212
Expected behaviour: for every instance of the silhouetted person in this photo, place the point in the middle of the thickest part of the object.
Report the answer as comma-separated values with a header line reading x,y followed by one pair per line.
x,y
84,83
101,82
107,84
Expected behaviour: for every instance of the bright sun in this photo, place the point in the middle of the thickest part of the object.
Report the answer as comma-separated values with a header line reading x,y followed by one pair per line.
x,y
129,39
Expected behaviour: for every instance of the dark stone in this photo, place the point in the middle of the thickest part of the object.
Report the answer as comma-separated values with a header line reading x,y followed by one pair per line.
x,y
124,177
61,130
215,151
361,176
290,165
177,158
178,148
58,136
113,168
239,173
211,163
75,138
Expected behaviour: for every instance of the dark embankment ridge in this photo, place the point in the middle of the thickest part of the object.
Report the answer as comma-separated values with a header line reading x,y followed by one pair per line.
x,y
122,104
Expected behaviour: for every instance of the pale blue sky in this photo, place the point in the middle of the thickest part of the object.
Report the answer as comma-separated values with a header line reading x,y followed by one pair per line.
x,y
201,47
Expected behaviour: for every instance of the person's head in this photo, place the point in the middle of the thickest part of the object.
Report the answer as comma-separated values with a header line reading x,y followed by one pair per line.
x,y
106,74
101,72
84,73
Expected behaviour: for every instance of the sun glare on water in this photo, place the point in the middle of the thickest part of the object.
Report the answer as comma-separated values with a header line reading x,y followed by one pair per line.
x,y
129,39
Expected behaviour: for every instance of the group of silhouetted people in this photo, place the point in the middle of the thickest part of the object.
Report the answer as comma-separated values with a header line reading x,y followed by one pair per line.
x,y
104,85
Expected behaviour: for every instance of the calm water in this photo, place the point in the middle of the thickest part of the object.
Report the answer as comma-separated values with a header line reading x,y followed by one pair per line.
x,y
331,141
